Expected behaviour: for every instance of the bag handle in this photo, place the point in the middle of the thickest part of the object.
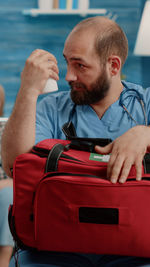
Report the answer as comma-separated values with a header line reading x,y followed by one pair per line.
x,y
56,151
53,157
78,143
82,144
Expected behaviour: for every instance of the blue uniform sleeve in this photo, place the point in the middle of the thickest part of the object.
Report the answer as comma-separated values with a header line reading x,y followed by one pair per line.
x,y
46,115
52,112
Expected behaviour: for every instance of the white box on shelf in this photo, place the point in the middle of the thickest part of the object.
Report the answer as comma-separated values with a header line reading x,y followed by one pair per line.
x,y
45,4
83,4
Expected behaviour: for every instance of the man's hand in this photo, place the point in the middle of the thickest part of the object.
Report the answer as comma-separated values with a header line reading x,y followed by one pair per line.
x,y
40,66
127,150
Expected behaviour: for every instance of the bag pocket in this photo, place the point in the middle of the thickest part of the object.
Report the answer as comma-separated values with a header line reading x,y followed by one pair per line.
x,y
86,214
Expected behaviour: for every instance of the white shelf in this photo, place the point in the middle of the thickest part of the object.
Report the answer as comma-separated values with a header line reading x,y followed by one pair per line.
x,y
3,119
37,11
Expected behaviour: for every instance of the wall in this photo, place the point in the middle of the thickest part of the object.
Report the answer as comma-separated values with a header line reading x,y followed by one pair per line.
x,y
21,34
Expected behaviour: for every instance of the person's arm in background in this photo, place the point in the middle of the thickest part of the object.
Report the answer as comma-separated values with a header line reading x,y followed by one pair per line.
x,y
19,133
127,150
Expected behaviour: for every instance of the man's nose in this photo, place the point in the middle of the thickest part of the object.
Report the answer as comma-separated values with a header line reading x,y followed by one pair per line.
x,y
70,75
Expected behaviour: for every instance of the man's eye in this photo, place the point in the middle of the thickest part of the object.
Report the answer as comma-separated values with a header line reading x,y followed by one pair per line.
x,y
81,66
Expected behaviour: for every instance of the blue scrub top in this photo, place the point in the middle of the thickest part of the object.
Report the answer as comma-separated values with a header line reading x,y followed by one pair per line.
x,y
56,109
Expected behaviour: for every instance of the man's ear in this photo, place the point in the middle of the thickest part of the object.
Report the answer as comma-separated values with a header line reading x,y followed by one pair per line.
x,y
114,65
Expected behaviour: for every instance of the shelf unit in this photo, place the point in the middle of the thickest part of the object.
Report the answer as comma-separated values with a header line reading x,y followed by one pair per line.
x,y
37,11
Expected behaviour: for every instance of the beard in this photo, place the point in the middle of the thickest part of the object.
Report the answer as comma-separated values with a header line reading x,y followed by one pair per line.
x,y
96,92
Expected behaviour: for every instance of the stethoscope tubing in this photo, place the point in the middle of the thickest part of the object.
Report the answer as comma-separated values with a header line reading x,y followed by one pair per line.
x,y
139,97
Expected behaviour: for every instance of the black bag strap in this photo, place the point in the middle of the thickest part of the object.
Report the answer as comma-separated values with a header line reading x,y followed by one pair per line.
x,y
69,130
57,150
53,157
87,144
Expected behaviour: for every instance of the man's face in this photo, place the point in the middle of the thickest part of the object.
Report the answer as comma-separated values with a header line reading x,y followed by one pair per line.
x,y
87,78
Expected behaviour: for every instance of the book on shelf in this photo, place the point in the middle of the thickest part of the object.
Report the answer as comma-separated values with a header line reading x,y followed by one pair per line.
x,y
75,4
68,4
62,4
55,3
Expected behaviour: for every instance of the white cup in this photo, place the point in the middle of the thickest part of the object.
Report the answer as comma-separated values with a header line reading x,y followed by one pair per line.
x,y
51,86
45,4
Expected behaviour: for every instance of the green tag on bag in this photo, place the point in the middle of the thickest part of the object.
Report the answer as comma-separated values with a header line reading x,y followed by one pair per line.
x,y
99,157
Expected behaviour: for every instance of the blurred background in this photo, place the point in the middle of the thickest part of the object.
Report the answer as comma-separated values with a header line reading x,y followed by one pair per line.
x,y
24,27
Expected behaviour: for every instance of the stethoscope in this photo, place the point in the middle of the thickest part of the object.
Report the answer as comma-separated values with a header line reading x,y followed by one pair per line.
x,y
128,92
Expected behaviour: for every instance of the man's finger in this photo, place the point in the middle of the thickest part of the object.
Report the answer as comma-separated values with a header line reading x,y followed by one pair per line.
x,y
114,167
104,150
125,171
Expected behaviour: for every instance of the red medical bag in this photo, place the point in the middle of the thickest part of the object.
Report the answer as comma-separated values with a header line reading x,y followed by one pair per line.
x,y
64,202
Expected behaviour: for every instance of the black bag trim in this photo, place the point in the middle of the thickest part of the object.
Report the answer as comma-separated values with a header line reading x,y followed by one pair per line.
x,y
11,221
146,163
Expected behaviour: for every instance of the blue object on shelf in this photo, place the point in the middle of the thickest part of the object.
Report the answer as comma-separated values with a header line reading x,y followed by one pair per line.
x,y
62,4
75,4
